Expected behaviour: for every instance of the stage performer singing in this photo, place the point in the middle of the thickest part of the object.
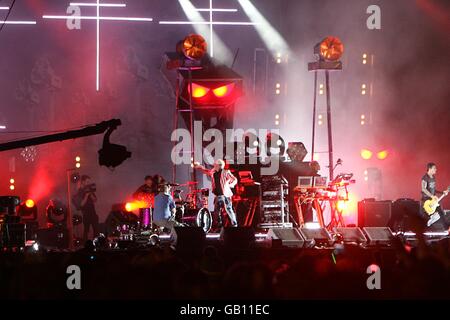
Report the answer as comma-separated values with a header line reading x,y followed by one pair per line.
x,y
222,182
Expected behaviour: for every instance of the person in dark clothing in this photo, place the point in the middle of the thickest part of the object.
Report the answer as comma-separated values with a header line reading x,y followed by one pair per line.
x,y
429,192
85,202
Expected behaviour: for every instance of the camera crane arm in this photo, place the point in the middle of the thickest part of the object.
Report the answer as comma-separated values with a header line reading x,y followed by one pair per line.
x,y
96,129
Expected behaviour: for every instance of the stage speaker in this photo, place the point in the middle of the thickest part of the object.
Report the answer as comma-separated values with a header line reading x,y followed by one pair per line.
x,y
13,235
238,237
190,238
373,213
379,235
405,213
56,237
354,235
314,237
287,237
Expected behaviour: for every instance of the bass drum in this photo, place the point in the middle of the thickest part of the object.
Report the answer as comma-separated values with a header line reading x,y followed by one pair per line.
x,y
198,218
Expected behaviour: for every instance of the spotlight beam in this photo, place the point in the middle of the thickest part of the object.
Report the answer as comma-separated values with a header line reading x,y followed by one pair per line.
x,y
271,37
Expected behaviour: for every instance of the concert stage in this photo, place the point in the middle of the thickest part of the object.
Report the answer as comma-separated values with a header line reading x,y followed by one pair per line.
x,y
224,149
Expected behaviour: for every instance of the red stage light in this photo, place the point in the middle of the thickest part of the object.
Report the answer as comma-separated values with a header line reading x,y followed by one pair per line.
x,y
341,205
223,90
198,90
366,154
382,154
29,203
129,207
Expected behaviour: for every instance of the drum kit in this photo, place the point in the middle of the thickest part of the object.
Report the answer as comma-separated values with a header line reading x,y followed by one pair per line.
x,y
193,209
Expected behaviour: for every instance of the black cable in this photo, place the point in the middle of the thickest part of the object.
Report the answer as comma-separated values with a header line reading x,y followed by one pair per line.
x,y
7,15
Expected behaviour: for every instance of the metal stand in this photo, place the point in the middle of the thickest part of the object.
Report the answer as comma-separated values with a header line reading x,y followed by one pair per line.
x,y
69,222
315,67
191,121
330,133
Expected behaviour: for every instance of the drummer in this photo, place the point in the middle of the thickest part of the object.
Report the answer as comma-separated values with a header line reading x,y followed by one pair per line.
x,y
146,192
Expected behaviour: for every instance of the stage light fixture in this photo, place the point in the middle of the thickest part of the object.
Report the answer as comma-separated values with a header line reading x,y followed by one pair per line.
x,y
382,154
223,91
366,154
198,91
215,87
328,52
251,144
193,47
329,49
275,144
28,210
77,162
75,177
112,155
56,212
29,203
341,205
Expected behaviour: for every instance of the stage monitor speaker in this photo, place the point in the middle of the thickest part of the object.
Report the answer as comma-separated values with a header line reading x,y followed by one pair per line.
x,y
352,235
56,237
379,235
373,213
190,238
287,237
13,235
238,237
319,236
405,214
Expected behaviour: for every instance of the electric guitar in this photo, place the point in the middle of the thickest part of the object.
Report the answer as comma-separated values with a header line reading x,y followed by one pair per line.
x,y
431,205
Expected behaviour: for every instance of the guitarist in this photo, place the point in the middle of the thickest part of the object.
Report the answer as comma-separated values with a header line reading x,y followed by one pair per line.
x,y
429,192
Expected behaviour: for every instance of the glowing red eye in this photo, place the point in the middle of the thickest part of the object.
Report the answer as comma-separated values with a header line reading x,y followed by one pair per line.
x,y
366,154
198,90
382,154
223,90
